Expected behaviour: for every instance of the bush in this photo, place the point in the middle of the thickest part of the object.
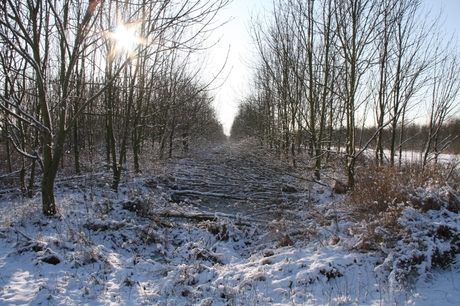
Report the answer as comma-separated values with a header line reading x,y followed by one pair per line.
x,y
406,213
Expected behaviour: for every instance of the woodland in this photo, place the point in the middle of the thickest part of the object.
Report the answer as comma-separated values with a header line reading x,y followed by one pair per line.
x,y
339,183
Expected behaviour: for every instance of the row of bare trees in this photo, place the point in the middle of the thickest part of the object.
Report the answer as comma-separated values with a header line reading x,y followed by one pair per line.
x,y
328,68
70,82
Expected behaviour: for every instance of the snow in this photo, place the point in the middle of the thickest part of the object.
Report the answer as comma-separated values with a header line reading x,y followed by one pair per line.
x,y
138,247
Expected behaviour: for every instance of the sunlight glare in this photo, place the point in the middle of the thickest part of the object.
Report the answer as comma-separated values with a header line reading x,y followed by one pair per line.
x,y
125,39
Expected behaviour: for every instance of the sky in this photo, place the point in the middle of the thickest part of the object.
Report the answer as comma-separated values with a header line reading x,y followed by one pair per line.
x,y
234,40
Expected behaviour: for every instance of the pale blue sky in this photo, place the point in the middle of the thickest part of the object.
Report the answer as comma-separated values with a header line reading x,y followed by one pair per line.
x,y
235,35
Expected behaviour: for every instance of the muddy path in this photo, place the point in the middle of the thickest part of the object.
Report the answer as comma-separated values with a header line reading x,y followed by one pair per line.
x,y
233,178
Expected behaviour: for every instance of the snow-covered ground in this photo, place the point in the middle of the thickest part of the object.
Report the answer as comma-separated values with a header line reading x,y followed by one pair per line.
x,y
149,244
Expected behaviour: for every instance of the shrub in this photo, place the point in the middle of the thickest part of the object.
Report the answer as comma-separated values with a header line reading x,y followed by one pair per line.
x,y
405,212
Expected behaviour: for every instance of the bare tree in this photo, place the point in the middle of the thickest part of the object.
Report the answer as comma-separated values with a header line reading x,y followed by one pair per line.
x,y
444,94
36,31
53,37
356,30
322,63
414,40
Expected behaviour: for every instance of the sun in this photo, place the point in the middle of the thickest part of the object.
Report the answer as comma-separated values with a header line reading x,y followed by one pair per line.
x,y
125,39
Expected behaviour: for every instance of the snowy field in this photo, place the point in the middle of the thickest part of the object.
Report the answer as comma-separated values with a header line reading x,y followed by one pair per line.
x,y
225,227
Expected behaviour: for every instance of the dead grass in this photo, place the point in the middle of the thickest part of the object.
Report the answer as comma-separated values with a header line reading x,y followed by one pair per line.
x,y
378,189
381,194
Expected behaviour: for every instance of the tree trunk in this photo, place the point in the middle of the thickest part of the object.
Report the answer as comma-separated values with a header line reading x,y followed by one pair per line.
x,y
185,142
171,138
22,178
30,188
76,149
8,157
136,150
48,199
